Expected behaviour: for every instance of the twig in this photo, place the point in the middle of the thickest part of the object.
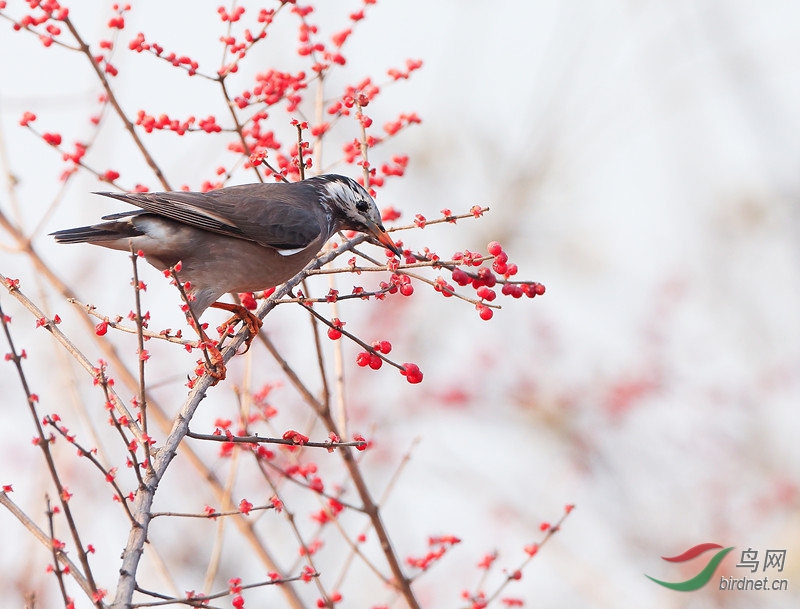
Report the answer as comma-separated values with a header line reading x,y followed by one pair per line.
x,y
272,170
300,161
165,422
326,392
513,575
306,554
103,381
13,289
44,444
115,323
367,347
137,290
191,317
211,515
243,524
354,549
256,439
362,142
199,601
144,498
401,582
46,541
57,570
129,126
239,128
82,452
31,30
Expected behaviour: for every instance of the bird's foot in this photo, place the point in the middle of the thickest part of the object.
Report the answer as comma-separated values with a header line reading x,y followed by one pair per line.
x,y
252,322
214,365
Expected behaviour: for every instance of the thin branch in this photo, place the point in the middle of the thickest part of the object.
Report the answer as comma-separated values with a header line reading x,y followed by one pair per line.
x,y
57,570
131,446
238,125
36,33
191,316
211,515
137,290
144,498
513,575
115,324
326,392
401,582
354,549
129,126
82,452
367,347
200,601
301,164
450,219
244,525
44,444
13,288
256,439
306,554
46,541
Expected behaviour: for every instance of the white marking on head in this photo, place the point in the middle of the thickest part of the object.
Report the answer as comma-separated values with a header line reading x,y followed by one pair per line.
x,y
353,200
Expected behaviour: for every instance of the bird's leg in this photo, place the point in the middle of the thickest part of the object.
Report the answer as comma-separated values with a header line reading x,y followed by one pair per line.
x,y
252,322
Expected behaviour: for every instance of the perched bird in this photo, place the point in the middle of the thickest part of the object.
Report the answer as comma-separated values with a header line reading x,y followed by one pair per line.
x,y
236,239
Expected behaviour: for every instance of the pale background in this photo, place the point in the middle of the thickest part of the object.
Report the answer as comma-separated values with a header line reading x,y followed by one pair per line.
x,y
640,160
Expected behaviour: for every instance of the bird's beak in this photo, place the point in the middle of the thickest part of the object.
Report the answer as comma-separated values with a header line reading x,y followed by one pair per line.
x,y
377,231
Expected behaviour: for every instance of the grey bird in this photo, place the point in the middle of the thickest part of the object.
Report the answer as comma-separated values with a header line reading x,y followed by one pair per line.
x,y
236,239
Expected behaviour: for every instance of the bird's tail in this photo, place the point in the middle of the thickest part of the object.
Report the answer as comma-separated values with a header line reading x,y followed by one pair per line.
x,y
98,233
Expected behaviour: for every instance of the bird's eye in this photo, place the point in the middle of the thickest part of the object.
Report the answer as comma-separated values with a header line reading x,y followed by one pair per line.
x,y
362,206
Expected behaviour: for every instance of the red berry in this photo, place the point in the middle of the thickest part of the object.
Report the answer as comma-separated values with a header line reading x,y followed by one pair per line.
x,y
485,277
460,277
406,289
501,258
385,346
486,293
412,373
362,359
28,117
54,139
514,290
334,334
375,362
494,248
248,300
499,267
101,328
485,312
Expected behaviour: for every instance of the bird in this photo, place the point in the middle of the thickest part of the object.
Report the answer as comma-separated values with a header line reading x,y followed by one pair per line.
x,y
239,238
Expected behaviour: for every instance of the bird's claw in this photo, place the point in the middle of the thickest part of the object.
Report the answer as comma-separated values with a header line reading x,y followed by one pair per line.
x,y
215,365
250,320
253,324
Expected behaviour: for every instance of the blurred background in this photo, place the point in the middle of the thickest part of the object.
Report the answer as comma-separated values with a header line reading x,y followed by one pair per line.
x,y
639,158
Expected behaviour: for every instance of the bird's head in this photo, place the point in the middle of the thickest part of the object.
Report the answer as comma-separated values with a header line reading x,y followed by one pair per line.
x,y
354,208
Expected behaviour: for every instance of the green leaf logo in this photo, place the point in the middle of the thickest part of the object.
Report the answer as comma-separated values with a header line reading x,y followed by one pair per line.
x,y
702,578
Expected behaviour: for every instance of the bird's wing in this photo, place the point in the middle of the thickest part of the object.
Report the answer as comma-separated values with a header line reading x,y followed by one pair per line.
x,y
263,213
